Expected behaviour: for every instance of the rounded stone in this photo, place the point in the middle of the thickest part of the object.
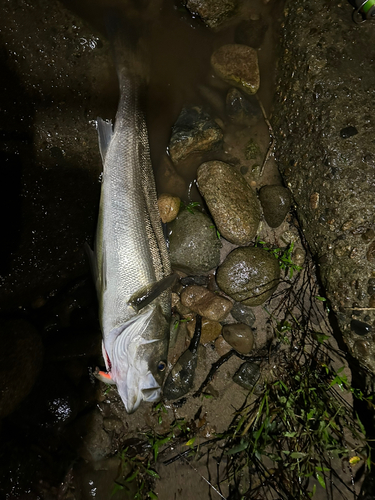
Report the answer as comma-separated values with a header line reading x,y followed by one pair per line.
x,y
193,243
247,375
237,65
212,12
249,275
231,201
239,336
243,314
168,207
206,303
276,201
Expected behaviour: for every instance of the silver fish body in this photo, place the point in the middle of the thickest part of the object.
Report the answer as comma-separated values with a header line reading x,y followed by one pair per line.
x,y
130,257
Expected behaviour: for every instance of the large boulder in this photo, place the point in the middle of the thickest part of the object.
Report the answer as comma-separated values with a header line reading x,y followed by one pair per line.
x,y
326,153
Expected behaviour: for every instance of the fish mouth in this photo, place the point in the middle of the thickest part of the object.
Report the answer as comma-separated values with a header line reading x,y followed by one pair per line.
x,y
152,394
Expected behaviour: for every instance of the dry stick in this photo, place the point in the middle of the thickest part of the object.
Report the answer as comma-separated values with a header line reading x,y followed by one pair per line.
x,y
273,140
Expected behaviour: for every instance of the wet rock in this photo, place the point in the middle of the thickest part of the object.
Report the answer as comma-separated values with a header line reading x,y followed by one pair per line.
x,y
249,275
330,185
243,313
239,336
210,330
252,150
247,375
21,360
194,132
222,346
237,65
242,110
193,243
276,201
348,132
207,304
168,207
231,201
371,253
251,32
359,327
212,12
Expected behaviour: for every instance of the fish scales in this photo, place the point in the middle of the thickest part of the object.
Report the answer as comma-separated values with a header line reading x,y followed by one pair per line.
x,y
130,252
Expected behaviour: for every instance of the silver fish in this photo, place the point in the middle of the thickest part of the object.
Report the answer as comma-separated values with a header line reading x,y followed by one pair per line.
x,y
130,260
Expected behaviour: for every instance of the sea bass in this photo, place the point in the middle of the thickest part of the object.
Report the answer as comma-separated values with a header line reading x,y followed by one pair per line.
x,y
130,259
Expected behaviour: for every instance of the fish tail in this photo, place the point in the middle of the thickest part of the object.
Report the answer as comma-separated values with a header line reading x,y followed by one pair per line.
x,y
129,48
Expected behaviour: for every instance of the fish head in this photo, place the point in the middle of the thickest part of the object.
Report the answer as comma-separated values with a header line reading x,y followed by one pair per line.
x,y
138,357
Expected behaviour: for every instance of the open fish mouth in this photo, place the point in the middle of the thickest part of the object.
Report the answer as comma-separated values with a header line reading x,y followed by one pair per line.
x,y
151,394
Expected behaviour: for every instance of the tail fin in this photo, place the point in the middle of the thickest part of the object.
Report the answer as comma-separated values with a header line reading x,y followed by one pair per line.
x,y
128,45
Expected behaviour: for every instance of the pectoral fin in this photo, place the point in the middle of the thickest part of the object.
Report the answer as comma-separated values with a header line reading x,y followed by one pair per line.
x,y
103,376
146,295
105,133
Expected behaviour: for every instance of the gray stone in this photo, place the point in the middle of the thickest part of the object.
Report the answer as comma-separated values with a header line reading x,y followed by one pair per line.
x,y
213,12
239,336
247,375
331,178
249,275
237,65
193,244
231,201
243,314
276,201
241,109
194,132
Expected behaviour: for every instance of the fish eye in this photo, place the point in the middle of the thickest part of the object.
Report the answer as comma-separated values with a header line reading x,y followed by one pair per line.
x,y
162,366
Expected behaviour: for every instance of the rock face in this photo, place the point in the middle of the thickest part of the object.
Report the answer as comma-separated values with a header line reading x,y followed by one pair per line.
x,y
328,167
249,275
237,65
194,132
231,201
213,12
193,243
276,201
21,360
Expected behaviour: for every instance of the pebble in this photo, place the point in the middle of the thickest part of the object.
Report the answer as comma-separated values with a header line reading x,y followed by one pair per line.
x,y
194,132
276,202
359,327
249,275
298,256
371,253
237,65
193,243
168,207
221,346
243,314
239,336
241,109
231,201
348,132
247,375
207,304
210,330
212,12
